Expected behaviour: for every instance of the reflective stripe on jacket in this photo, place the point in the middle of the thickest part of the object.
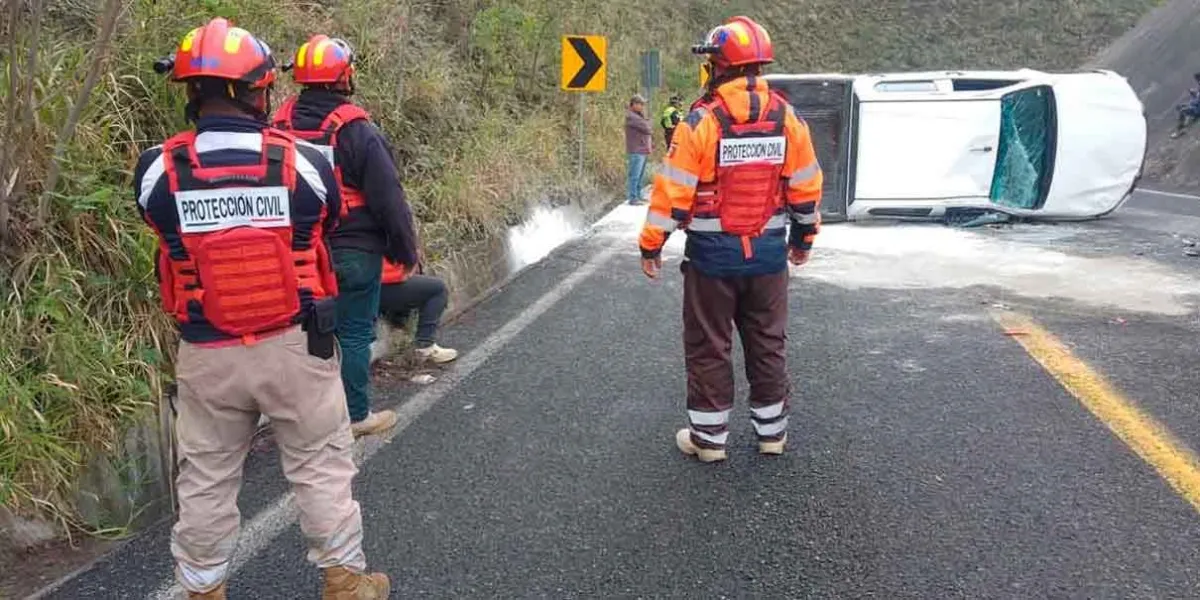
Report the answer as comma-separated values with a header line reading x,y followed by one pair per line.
x,y
241,213
325,137
691,169
364,159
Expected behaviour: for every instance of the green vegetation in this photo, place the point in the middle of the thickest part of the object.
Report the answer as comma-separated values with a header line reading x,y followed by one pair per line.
x,y
467,90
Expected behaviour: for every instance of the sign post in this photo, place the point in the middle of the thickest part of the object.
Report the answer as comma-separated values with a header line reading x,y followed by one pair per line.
x,y
651,73
584,69
582,128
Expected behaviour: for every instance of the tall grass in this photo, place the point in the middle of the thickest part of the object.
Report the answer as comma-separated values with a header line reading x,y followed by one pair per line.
x,y
466,89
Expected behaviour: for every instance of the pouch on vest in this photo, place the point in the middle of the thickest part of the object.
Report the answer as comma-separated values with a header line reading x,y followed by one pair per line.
x,y
250,283
326,140
166,280
320,324
749,197
750,192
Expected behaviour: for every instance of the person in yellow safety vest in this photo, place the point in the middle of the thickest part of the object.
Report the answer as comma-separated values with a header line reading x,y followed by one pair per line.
x,y
671,116
741,168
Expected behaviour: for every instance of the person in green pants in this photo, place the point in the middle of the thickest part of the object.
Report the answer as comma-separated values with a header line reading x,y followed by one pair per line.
x,y
377,221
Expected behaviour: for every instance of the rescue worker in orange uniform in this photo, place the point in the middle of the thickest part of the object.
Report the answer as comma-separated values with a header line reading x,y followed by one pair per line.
x,y
241,212
740,168
376,221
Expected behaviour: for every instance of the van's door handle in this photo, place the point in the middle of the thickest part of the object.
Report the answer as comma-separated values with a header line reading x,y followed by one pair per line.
x,y
982,149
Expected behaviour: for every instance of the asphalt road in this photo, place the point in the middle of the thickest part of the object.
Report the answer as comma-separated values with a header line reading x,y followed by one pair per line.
x,y
931,456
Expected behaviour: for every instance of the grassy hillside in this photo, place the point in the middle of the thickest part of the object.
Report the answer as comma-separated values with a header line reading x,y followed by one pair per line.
x,y
468,91
1159,57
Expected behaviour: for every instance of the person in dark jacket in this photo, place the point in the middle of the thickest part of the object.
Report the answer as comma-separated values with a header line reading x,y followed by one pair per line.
x,y
406,290
638,146
1189,111
376,220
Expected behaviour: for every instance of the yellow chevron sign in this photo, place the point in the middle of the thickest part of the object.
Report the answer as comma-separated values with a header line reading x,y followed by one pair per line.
x,y
584,63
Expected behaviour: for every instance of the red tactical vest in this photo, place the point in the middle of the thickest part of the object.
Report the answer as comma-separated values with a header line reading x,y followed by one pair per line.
x,y
325,137
241,271
747,190
393,273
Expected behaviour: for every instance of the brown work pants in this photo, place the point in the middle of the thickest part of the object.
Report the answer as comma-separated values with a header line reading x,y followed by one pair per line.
x,y
712,307
222,390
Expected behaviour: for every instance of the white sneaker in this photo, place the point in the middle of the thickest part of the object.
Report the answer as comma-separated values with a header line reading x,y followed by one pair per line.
x,y
437,354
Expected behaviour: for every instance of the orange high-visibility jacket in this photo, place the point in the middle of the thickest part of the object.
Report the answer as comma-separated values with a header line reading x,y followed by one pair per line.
x,y
687,187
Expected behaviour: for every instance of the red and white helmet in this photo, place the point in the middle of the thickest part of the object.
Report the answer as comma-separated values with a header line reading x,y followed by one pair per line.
x,y
739,42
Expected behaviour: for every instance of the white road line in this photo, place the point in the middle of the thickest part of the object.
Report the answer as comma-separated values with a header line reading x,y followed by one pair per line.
x,y
1168,194
267,525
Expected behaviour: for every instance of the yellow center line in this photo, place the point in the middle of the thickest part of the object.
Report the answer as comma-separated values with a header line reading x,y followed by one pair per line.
x,y
1173,460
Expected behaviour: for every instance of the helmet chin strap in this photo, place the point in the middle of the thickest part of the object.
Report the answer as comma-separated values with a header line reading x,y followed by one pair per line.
x,y
264,114
720,75
191,111
716,76
259,113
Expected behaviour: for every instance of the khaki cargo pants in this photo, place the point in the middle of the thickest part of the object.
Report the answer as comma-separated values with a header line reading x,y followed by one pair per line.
x,y
221,393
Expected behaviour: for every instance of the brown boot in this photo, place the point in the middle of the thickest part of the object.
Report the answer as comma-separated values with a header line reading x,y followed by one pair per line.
x,y
375,423
215,594
343,584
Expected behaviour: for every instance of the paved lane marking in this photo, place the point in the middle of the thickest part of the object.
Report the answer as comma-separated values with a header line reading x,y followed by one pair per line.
x,y
1167,194
1173,460
268,524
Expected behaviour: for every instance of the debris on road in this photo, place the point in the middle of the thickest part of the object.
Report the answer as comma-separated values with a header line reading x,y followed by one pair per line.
x,y
968,218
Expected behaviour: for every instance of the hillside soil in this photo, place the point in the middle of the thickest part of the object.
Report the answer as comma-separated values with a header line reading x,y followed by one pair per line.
x,y
24,573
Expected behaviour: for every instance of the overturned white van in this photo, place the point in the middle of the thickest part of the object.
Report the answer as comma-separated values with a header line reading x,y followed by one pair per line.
x,y
1056,146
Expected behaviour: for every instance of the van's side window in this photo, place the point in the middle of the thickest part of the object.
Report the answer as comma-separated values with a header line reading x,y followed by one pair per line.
x,y
906,86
